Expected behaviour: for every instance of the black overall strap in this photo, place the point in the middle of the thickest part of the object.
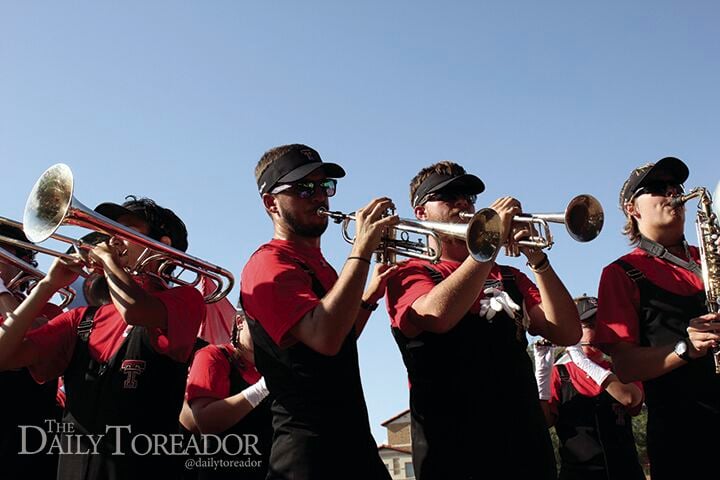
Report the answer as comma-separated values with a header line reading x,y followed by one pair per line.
x,y
633,273
86,324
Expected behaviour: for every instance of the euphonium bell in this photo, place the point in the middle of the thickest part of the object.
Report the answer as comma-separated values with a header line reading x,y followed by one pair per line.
x,y
51,204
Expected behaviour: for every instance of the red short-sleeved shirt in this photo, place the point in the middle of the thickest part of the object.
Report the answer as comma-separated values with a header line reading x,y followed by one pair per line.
x,y
619,296
276,291
210,374
56,339
413,280
583,384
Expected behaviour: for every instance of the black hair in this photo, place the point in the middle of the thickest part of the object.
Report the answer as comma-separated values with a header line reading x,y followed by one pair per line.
x,y
162,221
17,234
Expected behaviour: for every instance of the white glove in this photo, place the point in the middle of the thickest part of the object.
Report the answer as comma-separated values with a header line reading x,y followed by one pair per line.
x,y
543,369
3,288
255,394
495,301
597,373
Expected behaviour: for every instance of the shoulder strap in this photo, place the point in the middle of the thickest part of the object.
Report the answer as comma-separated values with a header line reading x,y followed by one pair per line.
x,y
317,287
562,371
633,273
507,273
86,324
435,275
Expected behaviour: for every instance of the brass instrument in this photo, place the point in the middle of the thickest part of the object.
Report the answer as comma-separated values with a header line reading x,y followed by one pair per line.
x,y
29,276
708,232
52,204
583,218
398,242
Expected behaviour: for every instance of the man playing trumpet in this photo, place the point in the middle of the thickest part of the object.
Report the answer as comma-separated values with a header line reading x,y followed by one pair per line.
x,y
459,327
124,363
305,320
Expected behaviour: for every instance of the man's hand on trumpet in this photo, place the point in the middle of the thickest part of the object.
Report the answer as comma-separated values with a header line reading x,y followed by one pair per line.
x,y
507,208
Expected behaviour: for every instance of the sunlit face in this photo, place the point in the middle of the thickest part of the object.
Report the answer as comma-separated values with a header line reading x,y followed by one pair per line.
x,y
300,214
651,205
445,206
588,342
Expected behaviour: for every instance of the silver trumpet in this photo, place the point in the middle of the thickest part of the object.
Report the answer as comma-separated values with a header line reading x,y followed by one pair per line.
x,y
52,204
28,276
583,218
398,241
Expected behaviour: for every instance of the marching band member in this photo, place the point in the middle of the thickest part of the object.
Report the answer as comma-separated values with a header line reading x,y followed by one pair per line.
x,y
225,394
652,319
124,363
305,321
589,406
23,401
459,327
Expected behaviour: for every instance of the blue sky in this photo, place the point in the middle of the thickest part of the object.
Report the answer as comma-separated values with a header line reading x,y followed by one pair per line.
x,y
178,100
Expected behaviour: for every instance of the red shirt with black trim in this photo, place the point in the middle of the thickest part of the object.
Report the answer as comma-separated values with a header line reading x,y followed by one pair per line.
x,y
210,373
56,340
413,280
276,291
619,297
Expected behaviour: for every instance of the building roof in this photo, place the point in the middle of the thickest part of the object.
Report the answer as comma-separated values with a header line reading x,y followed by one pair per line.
x,y
396,449
404,412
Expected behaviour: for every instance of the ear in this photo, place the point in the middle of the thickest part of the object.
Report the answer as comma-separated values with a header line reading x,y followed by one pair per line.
x,y
630,210
420,212
270,203
166,240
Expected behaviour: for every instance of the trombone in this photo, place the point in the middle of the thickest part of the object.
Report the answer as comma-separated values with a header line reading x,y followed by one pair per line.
x,y
29,276
51,204
583,219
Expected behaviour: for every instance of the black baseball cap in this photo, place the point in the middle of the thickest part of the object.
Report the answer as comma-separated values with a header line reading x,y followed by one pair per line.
x,y
298,162
465,183
162,221
674,167
586,306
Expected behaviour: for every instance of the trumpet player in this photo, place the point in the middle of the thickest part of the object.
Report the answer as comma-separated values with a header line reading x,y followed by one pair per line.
x,y
124,363
653,321
23,401
458,324
305,320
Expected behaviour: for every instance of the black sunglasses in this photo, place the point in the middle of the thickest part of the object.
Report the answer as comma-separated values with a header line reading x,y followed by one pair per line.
x,y
658,187
307,189
449,197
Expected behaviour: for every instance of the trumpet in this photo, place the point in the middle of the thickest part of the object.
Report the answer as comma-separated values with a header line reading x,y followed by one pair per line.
x,y
398,242
28,276
583,219
51,204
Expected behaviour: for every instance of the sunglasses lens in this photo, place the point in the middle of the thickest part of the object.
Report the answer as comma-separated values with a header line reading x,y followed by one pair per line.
x,y
330,186
305,190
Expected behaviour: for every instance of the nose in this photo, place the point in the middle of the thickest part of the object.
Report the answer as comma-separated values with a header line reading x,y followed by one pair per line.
x,y
462,202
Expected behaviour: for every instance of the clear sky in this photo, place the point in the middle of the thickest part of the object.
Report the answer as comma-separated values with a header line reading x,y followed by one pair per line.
x,y
178,100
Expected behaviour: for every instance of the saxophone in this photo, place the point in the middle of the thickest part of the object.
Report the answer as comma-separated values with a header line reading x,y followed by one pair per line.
x,y
708,232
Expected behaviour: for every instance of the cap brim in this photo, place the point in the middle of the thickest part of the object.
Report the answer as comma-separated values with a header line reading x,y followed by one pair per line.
x,y
466,183
332,170
587,314
672,166
113,211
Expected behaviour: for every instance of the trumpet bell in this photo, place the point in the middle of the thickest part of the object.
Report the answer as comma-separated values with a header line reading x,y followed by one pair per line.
x,y
48,203
584,218
483,234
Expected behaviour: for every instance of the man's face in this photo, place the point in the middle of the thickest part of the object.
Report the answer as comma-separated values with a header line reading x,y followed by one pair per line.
x,y
300,214
652,203
132,250
445,206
